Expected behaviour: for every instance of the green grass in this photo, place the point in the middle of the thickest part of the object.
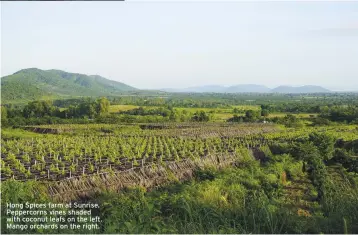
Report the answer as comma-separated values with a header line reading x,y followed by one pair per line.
x,y
124,107
7,133
247,107
121,107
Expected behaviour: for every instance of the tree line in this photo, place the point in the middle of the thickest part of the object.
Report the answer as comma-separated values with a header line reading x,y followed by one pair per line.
x,y
41,112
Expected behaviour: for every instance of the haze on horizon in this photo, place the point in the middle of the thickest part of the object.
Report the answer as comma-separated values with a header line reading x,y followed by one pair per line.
x,y
152,45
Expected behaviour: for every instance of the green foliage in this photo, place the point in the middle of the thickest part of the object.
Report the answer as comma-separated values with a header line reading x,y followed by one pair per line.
x,y
3,114
324,143
304,151
236,118
102,106
265,113
207,174
251,116
36,84
8,133
200,116
13,191
39,109
266,150
235,201
319,121
340,113
291,121
343,157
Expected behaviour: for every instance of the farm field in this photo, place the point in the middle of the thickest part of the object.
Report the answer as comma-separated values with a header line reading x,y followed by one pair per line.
x,y
108,147
97,154
251,170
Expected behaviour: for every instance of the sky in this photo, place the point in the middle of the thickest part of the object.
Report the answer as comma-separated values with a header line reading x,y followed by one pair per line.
x,y
151,45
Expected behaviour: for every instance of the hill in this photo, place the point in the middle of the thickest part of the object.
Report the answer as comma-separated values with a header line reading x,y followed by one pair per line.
x,y
207,88
222,89
250,88
33,83
301,89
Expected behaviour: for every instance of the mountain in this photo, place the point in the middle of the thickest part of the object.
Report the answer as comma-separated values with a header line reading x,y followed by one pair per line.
x,y
301,89
250,88
221,89
208,88
33,83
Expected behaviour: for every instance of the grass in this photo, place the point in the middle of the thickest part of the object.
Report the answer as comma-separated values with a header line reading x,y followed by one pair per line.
x,y
241,109
120,107
247,107
215,110
222,116
125,107
7,133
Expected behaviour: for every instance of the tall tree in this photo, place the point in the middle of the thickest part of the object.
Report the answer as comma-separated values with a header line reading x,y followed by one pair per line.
x,y
102,106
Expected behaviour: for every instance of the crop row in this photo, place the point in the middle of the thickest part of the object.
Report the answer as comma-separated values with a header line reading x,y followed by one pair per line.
x,y
63,157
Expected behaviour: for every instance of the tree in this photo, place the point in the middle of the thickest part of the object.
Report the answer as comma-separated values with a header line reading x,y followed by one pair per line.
x,y
87,108
324,143
102,106
251,116
264,113
291,121
3,116
319,121
311,156
200,116
39,109
235,118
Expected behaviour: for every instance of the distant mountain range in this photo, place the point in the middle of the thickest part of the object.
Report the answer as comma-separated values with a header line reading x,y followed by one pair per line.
x,y
251,88
301,89
33,83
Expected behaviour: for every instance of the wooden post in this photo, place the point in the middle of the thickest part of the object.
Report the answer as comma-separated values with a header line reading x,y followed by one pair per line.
x,y
83,170
48,174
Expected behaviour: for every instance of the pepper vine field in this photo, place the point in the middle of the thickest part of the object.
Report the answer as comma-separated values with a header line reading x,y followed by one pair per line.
x,y
81,150
262,174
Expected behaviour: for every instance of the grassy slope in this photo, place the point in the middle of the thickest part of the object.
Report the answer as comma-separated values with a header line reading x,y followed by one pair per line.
x,y
38,84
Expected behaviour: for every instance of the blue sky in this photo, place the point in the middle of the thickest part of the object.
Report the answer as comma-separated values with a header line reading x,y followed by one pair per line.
x,y
181,44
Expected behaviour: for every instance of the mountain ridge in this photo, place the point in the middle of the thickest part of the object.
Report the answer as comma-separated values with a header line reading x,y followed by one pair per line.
x,y
35,83
251,88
